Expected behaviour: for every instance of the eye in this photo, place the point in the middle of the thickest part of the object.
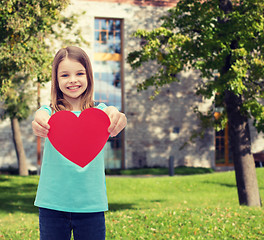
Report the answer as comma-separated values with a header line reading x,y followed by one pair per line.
x,y
64,75
80,73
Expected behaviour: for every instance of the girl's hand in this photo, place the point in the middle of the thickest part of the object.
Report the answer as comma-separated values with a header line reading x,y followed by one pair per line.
x,y
118,120
40,124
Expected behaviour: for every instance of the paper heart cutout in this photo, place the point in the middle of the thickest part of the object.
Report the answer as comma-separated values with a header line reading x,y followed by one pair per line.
x,y
79,139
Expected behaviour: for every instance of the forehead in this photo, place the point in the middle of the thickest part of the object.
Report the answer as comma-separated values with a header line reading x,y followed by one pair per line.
x,y
70,65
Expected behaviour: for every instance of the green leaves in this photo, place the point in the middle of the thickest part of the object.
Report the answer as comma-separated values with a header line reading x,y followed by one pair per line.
x,y
256,111
200,35
28,30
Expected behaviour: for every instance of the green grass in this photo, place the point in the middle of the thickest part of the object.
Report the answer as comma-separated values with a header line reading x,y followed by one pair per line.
x,y
160,171
181,207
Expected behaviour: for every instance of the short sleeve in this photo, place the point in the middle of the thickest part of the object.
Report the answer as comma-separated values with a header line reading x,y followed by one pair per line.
x,y
101,106
46,108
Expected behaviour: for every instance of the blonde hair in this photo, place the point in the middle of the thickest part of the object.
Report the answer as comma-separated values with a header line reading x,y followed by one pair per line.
x,y
58,103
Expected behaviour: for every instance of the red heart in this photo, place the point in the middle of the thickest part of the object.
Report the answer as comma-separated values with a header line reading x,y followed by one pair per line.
x,y
79,139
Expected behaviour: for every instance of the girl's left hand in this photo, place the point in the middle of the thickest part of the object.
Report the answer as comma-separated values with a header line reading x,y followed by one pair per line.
x,y
118,120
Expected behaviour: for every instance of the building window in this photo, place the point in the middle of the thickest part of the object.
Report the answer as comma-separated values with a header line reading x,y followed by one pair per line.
x,y
108,74
223,154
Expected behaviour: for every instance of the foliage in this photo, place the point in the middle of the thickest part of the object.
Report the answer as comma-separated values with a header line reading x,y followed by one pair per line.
x,y
185,207
28,30
200,35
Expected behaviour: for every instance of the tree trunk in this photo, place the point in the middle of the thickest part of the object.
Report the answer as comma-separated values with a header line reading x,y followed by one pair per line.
x,y
21,157
246,178
247,185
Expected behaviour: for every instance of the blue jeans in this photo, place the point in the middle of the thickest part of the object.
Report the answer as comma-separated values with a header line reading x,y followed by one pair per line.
x,y
58,225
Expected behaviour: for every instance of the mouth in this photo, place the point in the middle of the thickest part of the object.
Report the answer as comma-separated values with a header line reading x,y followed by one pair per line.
x,y
73,87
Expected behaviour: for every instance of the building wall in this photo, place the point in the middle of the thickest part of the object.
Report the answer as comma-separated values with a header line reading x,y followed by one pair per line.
x,y
156,129
149,137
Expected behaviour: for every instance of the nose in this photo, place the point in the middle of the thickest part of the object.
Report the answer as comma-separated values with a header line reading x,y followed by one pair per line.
x,y
72,79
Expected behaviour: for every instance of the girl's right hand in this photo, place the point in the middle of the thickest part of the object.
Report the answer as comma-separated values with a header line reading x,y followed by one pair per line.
x,y
40,124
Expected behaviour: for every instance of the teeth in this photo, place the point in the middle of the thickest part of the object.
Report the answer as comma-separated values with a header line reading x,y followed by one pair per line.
x,y
73,87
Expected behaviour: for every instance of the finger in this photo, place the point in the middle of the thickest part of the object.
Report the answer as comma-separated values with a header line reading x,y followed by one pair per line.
x,y
39,130
113,122
117,130
41,135
44,123
122,121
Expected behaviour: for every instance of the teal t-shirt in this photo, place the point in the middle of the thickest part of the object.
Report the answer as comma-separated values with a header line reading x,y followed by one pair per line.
x,y
65,186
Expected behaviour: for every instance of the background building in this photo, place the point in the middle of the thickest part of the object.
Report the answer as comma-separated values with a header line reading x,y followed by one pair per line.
x,y
156,129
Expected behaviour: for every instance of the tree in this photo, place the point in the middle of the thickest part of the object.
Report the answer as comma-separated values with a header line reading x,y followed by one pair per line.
x,y
217,37
28,30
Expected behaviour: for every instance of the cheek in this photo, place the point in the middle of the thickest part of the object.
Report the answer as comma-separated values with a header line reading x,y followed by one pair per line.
x,y
60,84
85,83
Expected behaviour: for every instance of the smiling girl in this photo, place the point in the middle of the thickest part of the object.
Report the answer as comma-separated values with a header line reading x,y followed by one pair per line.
x,y
71,198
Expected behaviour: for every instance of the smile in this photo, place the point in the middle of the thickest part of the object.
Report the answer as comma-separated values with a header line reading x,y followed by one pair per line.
x,y
73,87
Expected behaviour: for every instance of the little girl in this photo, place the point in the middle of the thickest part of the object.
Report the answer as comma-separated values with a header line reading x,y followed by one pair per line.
x,y
71,198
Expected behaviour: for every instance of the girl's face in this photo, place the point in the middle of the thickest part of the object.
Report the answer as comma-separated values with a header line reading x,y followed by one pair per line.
x,y
72,80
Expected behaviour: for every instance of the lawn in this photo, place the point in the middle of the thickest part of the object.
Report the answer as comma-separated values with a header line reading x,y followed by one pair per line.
x,y
159,171
180,207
